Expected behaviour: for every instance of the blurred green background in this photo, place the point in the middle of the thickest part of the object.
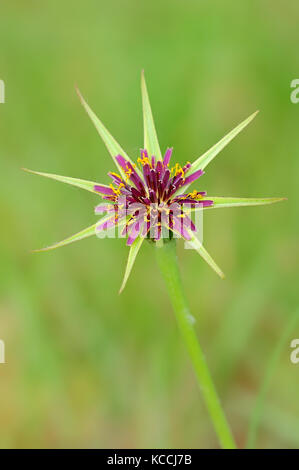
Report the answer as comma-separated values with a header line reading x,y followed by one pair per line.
x,y
86,367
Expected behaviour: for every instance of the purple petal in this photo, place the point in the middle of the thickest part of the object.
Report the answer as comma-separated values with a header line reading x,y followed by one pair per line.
x,y
134,177
103,189
186,167
116,178
122,161
159,167
193,177
206,202
167,156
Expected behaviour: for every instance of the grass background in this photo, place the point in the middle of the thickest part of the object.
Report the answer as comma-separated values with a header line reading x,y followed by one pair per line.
x,y
86,367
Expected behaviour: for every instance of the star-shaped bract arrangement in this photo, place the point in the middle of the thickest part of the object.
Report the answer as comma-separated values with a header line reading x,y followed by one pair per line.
x,y
150,196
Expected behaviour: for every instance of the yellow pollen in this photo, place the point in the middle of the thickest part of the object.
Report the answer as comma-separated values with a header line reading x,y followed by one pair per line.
x,y
115,174
195,195
177,169
144,160
116,191
128,173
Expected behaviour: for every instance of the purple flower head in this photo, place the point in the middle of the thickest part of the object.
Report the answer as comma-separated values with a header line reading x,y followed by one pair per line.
x,y
150,201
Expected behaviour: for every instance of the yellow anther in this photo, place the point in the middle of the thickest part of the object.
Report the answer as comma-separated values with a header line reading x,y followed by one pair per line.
x,y
144,160
128,173
177,169
115,174
195,195
116,191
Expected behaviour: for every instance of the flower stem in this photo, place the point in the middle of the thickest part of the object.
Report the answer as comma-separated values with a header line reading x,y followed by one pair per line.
x,y
167,261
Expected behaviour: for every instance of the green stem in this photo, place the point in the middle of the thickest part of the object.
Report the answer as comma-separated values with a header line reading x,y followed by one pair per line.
x,y
167,261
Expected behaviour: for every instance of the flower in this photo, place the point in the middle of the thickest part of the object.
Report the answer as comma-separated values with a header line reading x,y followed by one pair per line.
x,y
151,202
148,198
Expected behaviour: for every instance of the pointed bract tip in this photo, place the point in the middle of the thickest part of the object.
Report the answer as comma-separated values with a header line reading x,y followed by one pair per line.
x,y
121,289
143,82
47,248
39,250
79,94
27,170
277,199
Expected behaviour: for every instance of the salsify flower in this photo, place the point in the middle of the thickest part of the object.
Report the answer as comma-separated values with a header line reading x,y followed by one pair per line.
x,y
150,198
